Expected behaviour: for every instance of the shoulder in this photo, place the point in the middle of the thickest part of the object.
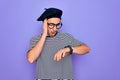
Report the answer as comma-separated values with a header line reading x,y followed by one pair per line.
x,y
65,34
36,37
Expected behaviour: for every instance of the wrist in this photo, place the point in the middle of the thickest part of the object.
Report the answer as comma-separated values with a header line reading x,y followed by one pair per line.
x,y
70,49
67,50
44,34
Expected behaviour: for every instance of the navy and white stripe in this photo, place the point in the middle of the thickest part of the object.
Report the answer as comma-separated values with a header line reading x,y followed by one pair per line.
x,y
49,69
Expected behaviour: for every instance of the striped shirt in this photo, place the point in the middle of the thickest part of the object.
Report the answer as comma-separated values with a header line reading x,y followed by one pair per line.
x,y
47,68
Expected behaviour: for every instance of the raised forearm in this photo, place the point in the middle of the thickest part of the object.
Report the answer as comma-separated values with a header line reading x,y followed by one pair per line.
x,y
81,49
34,53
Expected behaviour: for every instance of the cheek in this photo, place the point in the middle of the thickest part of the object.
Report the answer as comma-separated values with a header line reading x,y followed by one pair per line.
x,y
49,30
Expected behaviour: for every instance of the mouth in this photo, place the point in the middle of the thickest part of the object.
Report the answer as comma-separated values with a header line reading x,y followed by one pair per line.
x,y
53,32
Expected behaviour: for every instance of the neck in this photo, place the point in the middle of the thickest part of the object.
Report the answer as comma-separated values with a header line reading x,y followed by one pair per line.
x,y
52,36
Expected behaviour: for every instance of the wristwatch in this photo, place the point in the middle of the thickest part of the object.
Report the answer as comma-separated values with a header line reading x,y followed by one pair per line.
x,y
71,50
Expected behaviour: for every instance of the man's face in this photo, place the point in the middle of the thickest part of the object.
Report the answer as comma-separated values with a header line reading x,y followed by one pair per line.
x,y
53,26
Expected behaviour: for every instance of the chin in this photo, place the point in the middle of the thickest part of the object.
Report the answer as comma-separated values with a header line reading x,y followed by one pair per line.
x,y
52,35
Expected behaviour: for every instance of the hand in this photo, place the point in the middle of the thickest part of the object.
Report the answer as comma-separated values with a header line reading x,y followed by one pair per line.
x,y
61,54
44,30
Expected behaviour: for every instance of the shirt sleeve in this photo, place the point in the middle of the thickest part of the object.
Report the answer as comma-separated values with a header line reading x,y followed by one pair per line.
x,y
33,42
73,41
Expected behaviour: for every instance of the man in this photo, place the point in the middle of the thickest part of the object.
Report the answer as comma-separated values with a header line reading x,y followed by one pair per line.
x,y
52,50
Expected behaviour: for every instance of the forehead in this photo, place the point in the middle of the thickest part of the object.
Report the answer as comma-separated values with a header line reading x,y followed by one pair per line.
x,y
54,20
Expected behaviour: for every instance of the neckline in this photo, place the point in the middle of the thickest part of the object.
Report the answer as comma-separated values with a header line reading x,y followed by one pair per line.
x,y
53,36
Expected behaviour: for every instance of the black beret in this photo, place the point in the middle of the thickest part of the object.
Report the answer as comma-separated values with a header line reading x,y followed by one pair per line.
x,y
49,13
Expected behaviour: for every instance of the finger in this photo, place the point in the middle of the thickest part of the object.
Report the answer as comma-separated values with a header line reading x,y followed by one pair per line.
x,y
61,54
45,20
64,54
58,56
55,57
44,29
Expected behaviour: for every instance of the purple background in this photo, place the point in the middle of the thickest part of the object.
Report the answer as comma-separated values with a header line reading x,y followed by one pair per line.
x,y
95,22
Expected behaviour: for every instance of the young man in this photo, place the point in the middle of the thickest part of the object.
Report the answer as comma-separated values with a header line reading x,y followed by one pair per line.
x,y
52,50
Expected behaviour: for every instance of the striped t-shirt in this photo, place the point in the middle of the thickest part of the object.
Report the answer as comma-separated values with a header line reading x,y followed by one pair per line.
x,y
47,68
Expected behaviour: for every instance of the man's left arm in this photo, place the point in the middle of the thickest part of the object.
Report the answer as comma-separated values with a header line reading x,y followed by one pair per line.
x,y
81,49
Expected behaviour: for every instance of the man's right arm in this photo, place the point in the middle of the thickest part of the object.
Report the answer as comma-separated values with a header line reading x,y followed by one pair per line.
x,y
35,52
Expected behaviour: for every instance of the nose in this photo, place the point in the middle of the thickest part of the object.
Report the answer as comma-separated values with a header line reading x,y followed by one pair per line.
x,y
55,29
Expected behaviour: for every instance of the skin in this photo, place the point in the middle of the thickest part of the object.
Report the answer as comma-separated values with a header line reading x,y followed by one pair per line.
x,y
53,31
35,52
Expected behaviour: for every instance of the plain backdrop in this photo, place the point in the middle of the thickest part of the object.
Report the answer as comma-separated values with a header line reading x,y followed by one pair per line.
x,y
95,22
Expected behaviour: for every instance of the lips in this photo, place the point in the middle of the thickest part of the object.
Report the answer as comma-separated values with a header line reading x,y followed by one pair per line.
x,y
53,32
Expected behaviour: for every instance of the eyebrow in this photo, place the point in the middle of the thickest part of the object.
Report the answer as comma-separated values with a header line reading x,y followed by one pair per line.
x,y
54,23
